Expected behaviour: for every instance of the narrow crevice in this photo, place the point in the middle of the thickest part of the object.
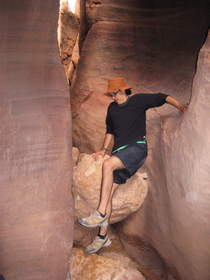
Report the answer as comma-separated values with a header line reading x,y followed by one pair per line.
x,y
155,48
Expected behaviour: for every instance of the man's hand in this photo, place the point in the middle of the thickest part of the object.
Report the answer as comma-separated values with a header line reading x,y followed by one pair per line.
x,y
176,103
183,107
107,140
98,154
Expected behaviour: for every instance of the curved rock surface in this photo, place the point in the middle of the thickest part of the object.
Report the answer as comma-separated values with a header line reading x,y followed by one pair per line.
x,y
91,267
154,57
110,264
181,197
127,199
35,202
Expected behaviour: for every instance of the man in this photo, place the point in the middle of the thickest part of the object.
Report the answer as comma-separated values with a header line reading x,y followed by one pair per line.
x,y
126,125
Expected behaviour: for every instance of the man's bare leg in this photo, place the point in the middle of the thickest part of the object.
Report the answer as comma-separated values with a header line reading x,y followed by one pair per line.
x,y
103,229
109,166
102,239
99,217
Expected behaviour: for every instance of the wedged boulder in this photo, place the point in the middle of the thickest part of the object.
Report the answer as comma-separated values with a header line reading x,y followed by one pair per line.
x,y
127,199
116,251
111,267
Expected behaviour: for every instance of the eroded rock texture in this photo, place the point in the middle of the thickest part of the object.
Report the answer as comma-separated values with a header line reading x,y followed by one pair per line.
x,y
154,45
109,264
90,267
68,37
142,44
87,177
35,201
177,205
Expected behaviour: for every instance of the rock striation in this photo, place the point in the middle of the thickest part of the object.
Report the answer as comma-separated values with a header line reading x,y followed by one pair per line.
x,y
36,204
153,58
181,197
159,53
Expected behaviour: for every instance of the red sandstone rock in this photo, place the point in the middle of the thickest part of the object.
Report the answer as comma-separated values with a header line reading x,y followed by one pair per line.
x,y
155,49
181,196
109,264
127,199
106,53
35,143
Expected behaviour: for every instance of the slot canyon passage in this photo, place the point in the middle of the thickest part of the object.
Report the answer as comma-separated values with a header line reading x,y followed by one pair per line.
x,y
157,46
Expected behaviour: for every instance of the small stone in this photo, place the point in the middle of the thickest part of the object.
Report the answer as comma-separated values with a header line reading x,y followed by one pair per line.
x,y
75,155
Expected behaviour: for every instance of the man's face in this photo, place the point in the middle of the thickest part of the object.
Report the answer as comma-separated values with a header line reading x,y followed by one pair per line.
x,y
116,95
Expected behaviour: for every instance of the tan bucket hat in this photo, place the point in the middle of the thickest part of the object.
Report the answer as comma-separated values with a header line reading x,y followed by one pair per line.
x,y
116,84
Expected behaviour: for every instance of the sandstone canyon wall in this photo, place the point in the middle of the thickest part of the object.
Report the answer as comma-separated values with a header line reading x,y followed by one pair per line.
x,y
155,45
35,143
154,48
175,216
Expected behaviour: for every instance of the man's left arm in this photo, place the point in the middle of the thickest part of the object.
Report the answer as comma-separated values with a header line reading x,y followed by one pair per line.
x,y
176,103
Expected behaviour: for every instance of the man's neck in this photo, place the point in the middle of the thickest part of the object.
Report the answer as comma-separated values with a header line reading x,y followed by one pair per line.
x,y
123,100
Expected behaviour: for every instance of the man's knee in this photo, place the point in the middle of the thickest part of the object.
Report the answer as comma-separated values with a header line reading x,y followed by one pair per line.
x,y
112,164
108,165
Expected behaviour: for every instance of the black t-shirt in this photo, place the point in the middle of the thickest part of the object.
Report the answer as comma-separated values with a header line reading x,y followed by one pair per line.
x,y
127,121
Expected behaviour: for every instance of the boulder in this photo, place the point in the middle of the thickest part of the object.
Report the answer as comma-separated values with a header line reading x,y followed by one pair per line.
x,y
111,264
127,199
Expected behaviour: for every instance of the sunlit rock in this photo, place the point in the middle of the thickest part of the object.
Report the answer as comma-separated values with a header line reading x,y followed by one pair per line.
x,y
75,156
68,34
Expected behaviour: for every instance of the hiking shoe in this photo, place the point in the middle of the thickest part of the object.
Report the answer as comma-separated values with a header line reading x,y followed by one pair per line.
x,y
94,220
97,244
